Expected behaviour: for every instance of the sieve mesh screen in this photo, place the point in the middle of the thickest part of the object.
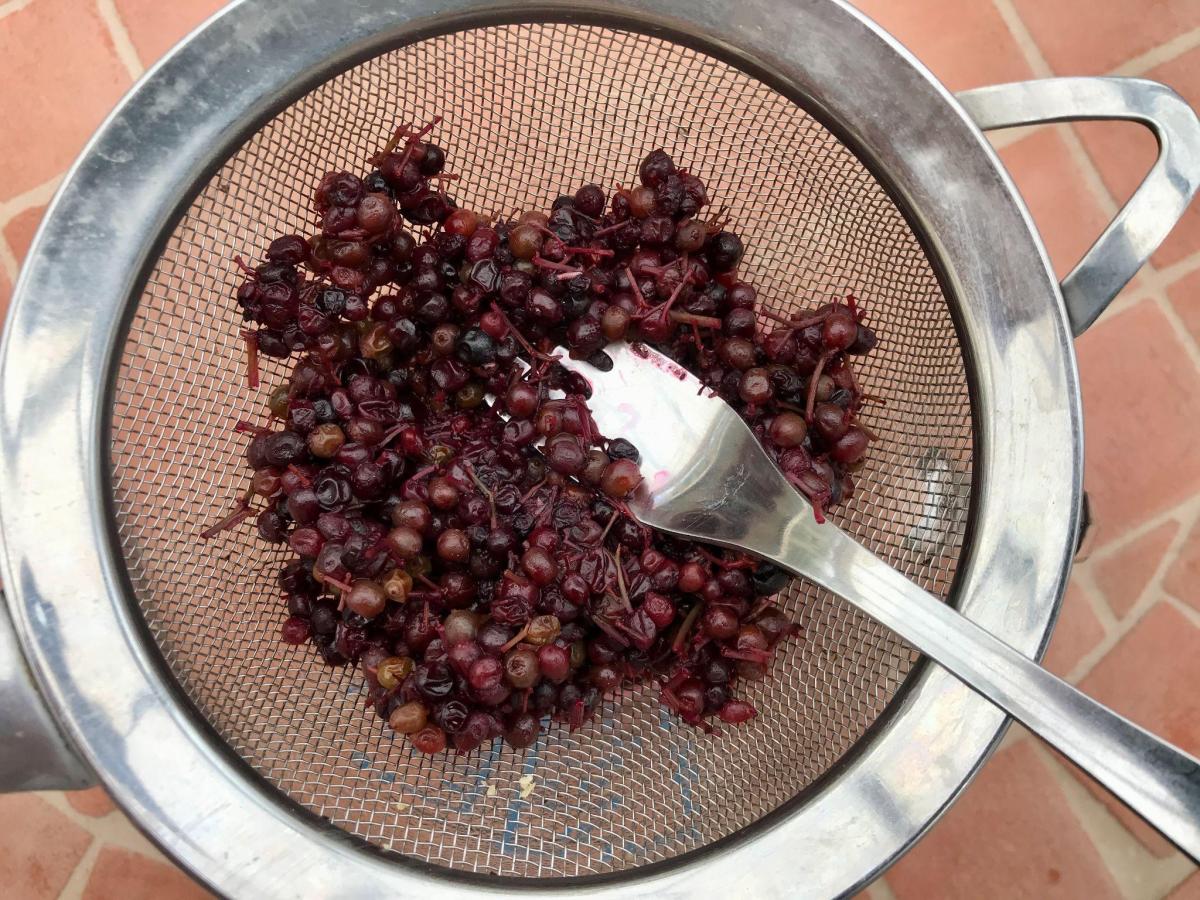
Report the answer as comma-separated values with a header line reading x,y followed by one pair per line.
x,y
530,111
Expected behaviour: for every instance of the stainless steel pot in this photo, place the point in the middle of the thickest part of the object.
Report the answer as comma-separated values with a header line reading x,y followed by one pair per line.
x,y
119,663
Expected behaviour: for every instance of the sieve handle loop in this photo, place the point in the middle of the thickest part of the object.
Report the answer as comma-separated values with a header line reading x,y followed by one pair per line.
x,y
1157,781
1155,207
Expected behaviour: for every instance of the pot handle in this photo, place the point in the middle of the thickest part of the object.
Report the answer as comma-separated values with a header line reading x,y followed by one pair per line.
x,y
34,754
1157,204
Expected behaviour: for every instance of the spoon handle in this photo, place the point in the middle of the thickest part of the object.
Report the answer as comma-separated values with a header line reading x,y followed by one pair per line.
x,y
1154,779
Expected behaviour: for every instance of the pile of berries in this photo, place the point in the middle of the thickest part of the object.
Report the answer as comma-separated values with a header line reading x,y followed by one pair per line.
x,y
475,556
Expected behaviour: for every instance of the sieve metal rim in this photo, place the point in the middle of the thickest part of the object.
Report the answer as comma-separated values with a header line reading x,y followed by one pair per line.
x,y
74,620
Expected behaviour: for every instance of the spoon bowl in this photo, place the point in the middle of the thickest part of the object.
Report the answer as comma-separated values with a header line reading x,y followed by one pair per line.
x,y
706,477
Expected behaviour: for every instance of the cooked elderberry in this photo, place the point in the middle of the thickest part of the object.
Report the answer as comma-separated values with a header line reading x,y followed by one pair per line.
x,y
458,523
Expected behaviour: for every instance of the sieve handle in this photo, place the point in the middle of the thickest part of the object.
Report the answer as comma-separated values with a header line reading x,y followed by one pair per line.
x,y
1154,779
34,754
1155,207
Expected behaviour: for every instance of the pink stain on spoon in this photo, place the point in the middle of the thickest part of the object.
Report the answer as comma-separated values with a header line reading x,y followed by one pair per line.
x,y
629,413
669,366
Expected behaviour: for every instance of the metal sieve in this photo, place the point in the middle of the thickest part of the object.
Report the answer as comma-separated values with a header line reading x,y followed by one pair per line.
x,y
151,658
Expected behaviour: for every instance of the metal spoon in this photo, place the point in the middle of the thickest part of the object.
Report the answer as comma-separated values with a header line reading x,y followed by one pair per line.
x,y
707,478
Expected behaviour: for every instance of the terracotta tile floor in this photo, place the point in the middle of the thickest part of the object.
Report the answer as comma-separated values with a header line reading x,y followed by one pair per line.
x,y
1028,827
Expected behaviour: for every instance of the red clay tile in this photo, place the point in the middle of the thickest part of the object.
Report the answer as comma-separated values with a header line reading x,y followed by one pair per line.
x,y
1077,632
64,77
1150,677
1183,578
1011,835
1123,153
1185,299
978,50
93,802
1189,890
39,847
1123,576
21,228
1063,207
1088,37
126,875
1141,398
155,27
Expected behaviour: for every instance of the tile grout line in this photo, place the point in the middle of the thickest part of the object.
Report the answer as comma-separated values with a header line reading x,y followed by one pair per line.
x,y
1129,297
120,37
114,829
1137,65
1092,658
58,799
1156,56
1183,608
1109,623
1161,278
10,209
1178,270
1119,872
1190,346
1093,180
1131,619
1136,871
1091,176
1181,511
881,890
1151,594
1154,286
82,873
1148,278
1189,531
8,261
7,9
1188,611
1151,288
1153,281
38,195
1041,68
1024,40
